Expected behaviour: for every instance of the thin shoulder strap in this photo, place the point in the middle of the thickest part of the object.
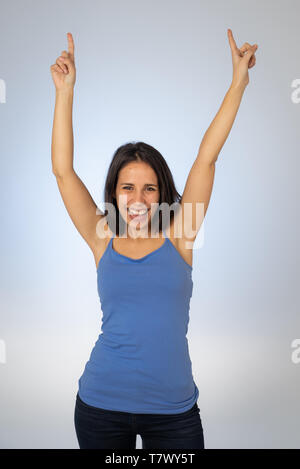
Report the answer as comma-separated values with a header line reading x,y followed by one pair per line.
x,y
112,237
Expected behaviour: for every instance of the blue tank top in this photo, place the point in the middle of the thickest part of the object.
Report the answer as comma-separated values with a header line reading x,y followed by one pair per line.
x,y
140,362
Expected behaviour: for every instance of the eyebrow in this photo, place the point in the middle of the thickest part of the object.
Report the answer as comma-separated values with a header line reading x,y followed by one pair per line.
x,y
130,184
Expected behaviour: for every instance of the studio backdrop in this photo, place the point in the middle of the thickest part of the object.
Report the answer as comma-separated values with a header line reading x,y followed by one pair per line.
x,y
153,71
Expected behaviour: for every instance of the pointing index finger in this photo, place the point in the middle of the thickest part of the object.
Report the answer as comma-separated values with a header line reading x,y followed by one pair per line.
x,y
70,44
232,41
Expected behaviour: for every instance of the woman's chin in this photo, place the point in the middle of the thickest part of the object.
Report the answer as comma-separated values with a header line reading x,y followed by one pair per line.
x,y
138,225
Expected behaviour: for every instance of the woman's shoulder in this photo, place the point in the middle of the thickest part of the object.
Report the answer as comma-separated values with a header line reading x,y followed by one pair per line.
x,y
103,236
183,246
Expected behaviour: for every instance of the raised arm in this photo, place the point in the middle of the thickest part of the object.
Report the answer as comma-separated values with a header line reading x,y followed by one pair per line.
x,y
200,180
77,199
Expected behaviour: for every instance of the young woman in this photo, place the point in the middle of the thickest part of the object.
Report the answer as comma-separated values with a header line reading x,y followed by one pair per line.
x,y
139,379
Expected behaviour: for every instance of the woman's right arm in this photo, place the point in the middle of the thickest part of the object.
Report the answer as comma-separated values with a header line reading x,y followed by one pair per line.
x,y
81,207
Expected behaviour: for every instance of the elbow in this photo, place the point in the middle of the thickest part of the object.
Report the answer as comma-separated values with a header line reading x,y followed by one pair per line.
x,y
59,173
55,172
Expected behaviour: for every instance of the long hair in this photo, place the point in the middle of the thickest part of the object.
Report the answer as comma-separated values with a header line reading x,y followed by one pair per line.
x,y
140,151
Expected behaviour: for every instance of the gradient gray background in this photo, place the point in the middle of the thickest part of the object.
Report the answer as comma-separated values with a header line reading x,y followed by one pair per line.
x,y
157,72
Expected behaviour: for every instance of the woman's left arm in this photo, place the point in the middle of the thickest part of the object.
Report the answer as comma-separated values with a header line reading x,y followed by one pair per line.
x,y
199,183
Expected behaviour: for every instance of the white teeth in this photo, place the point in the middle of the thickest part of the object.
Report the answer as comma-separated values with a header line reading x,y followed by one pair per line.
x,y
137,212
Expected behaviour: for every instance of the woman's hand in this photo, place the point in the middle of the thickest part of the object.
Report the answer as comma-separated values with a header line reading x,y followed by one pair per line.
x,y
63,71
242,60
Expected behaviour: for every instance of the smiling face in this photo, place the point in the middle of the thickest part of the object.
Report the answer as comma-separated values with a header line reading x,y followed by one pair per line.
x,y
138,186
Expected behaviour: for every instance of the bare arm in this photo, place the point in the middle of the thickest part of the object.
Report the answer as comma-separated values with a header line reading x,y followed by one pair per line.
x,y
62,146
218,131
200,180
80,205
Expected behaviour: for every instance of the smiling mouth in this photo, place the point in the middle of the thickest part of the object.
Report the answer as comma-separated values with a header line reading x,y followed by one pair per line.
x,y
139,217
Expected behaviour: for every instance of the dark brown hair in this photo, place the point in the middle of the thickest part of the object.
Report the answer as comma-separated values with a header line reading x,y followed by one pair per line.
x,y
139,151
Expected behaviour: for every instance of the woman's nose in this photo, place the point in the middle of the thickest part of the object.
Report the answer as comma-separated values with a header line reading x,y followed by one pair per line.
x,y
139,198
138,203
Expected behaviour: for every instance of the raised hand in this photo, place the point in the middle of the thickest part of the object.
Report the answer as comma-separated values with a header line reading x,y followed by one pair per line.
x,y
63,71
242,59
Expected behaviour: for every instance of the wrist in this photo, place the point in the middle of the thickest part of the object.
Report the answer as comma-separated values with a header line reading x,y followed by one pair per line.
x,y
67,91
235,86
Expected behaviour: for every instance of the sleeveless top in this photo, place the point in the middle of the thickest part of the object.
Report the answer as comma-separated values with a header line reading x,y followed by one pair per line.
x,y
140,362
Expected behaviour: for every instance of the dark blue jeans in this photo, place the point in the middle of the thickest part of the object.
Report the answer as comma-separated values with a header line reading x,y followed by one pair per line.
x,y
109,429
